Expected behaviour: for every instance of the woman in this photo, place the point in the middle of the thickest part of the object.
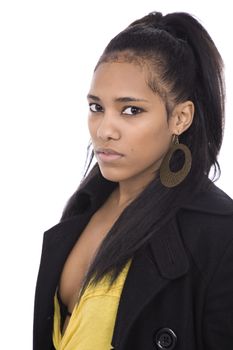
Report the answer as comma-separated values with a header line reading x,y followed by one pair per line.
x,y
142,257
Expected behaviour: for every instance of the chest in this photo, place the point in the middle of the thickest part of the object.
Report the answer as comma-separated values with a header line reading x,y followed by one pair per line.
x,y
83,253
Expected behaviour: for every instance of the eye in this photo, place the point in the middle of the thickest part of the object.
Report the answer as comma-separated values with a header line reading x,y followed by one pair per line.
x,y
95,107
132,110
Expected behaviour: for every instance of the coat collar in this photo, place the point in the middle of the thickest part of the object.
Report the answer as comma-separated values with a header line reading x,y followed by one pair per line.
x,y
210,199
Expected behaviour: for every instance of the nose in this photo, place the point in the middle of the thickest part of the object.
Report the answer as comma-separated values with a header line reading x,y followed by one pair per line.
x,y
107,128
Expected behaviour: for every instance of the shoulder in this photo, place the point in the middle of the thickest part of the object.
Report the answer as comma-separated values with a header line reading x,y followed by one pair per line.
x,y
211,209
209,206
206,226
211,200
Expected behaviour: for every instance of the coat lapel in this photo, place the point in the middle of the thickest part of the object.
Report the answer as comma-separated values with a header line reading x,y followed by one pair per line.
x,y
143,282
152,268
58,242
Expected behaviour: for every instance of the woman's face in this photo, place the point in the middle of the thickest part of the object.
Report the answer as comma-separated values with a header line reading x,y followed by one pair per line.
x,y
127,116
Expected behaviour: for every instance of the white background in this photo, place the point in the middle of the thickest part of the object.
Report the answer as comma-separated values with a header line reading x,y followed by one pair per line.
x,y
48,50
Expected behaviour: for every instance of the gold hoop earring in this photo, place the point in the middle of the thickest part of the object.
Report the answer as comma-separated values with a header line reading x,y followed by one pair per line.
x,y
170,178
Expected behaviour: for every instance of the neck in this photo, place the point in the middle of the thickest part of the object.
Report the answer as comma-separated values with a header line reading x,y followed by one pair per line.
x,y
128,190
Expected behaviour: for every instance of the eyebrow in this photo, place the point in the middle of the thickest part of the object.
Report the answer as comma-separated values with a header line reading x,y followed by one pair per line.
x,y
119,99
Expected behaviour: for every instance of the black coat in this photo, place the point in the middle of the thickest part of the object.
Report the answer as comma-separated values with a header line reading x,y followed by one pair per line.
x,y
178,293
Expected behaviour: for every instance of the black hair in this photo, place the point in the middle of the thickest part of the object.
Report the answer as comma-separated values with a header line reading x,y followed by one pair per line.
x,y
184,64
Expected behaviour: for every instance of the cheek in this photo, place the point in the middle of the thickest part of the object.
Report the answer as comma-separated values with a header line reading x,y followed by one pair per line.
x,y
91,126
150,143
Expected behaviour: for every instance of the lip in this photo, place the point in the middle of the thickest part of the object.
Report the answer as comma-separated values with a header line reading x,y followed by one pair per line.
x,y
107,155
108,151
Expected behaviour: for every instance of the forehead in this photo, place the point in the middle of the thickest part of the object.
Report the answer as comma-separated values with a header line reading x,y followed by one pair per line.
x,y
121,76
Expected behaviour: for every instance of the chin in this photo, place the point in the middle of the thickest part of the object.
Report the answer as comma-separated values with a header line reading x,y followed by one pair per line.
x,y
112,174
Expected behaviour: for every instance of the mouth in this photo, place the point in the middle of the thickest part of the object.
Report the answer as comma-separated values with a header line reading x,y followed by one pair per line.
x,y
108,155
108,151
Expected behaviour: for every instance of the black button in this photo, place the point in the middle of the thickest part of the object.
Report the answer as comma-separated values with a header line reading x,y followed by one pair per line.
x,y
165,339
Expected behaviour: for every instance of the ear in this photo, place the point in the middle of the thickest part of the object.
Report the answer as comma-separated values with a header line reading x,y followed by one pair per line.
x,y
182,117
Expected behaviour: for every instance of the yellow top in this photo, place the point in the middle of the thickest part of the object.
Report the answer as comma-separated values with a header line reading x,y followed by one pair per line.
x,y
92,321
